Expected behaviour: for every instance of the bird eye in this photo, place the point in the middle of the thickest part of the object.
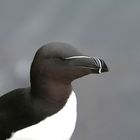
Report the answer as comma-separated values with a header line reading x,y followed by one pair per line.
x,y
60,58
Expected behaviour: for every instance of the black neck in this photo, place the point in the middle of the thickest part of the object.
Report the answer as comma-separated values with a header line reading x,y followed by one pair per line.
x,y
50,94
49,89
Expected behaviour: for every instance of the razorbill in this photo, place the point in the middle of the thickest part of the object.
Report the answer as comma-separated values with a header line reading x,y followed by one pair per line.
x,y
47,109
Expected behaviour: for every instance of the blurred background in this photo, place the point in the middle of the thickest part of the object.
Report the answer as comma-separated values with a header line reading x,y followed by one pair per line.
x,y
108,104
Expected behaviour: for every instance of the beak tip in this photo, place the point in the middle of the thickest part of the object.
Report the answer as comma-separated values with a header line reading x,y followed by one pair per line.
x,y
104,67
101,65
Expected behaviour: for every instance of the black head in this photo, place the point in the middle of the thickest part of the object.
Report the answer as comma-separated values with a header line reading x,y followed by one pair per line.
x,y
62,62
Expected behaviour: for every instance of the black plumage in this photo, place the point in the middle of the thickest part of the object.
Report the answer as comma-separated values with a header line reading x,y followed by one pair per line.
x,y
52,71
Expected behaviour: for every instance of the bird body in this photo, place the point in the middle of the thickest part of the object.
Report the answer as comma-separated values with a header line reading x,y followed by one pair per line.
x,y
62,123
47,109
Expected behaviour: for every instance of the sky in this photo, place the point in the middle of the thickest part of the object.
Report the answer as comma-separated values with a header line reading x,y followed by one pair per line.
x,y
108,104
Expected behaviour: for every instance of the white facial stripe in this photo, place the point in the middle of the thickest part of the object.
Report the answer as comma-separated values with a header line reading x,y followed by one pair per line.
x,y
100,64
80,56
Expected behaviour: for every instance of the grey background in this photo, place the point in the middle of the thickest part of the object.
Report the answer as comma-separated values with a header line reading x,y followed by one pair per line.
x,y
108,104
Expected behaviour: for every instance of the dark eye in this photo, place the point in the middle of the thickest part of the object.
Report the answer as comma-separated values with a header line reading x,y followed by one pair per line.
x,y
58,60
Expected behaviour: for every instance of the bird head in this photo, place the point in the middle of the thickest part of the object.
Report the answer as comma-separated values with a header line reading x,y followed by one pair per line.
x,y
62,62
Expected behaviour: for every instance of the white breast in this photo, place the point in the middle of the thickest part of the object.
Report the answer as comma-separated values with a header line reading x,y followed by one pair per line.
x,y
57,127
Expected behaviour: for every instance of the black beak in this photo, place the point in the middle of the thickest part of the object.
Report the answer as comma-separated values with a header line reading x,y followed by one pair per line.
x,y
96,65
101,65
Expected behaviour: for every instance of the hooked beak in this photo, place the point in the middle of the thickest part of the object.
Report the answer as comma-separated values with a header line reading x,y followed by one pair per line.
x,y
95,64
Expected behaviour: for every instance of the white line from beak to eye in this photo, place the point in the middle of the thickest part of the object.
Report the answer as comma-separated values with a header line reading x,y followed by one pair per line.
x,y
80,56
83,56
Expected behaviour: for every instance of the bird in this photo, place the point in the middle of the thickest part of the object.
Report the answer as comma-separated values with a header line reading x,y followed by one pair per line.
x,y
47,109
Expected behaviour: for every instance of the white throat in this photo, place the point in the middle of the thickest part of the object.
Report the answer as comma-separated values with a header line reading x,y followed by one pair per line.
x,y
59,126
